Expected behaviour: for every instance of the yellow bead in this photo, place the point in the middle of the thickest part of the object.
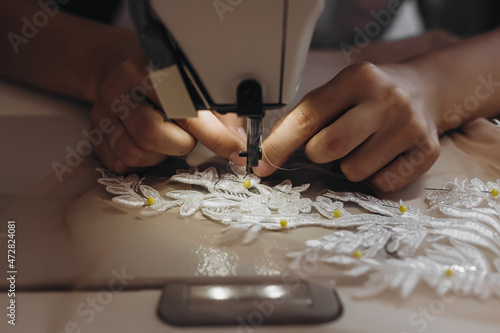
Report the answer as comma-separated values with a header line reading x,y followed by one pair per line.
x,y
357,254
403,208
337,213
150,201
449,272
494,192
247,183
283,223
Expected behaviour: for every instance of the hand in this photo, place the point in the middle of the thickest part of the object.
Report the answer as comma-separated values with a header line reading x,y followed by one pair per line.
x,y
379,121
138,135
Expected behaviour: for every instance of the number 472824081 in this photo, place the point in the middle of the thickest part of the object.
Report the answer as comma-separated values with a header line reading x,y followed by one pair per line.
x,y
11,244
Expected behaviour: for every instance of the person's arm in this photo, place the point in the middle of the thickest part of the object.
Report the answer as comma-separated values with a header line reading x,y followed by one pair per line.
x,y
66,55
462,81
106,66
383,121
386,52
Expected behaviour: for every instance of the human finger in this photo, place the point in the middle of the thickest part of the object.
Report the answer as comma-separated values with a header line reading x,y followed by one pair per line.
x,y
132,155
210,131
407,167
108,158
344,135
295,129
150,131
372,155
318,108
232,121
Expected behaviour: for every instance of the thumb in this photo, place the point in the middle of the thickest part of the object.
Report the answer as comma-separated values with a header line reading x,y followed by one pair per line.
x,y
210,131
295,129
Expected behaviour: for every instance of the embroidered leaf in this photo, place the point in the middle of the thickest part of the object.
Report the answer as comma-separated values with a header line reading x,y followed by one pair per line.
x,y
410,283
357,271
186,194
190,207
130,200
148,191
218,203
118,189
285,186
251,234
230,186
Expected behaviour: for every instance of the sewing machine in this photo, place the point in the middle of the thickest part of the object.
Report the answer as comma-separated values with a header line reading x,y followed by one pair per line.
x,y
242,56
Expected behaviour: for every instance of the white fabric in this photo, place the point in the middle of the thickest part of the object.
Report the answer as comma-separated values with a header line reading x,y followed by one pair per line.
x,y
398,249
73,234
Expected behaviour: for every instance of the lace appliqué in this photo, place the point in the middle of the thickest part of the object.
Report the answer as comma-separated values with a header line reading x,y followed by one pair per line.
x,y
454,247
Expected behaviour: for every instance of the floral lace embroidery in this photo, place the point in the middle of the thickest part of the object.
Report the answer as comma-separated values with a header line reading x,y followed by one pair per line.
x,y
457,248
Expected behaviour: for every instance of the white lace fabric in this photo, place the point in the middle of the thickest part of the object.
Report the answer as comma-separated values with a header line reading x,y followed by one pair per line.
x,y
454,246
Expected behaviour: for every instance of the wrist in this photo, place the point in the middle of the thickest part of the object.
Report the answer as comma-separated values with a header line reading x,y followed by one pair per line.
x,y
428,84
110,51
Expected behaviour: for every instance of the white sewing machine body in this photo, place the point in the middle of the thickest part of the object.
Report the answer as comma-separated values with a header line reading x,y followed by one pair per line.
x,y
224,43
235,56
229,42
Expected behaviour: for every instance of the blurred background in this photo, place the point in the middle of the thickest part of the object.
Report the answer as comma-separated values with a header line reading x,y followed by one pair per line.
x,y
459,17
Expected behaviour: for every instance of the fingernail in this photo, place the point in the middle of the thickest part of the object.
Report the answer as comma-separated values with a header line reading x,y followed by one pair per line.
x,y
262,170
235,158
242,133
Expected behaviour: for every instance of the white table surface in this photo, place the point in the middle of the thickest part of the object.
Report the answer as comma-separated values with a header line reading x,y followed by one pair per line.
x,y
35,128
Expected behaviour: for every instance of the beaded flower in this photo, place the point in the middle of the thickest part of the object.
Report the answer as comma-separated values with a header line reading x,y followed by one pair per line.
x,y
455,246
